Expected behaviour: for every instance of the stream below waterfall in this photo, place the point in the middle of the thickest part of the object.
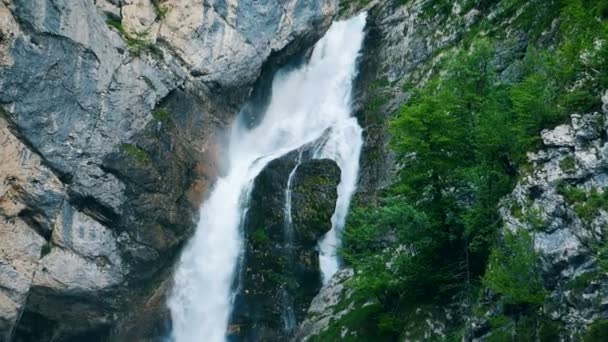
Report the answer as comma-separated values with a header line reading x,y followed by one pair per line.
x,y
306,103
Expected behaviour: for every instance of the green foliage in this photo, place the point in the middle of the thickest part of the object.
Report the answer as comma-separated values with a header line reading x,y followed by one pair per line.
x,y
260,238
586,204
602,255
597,331
567,164
506,329
595,201
457,140
441,8
362,320
461,143
162,114
582,281
533,218
117,24
141,157
159,9
392,273
516,210
513,271
572,194
138,44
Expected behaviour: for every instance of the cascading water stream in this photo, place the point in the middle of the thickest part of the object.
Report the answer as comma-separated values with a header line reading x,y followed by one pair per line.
x,y
306,104
288,217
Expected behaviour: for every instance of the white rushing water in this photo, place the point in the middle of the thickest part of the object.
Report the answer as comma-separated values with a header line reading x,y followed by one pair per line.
x,y
305,103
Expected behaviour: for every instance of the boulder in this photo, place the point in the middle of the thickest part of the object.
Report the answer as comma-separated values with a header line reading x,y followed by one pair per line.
x,y
280,272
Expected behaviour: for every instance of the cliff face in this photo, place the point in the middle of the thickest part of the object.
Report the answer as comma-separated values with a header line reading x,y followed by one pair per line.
x,y
562,202
110,121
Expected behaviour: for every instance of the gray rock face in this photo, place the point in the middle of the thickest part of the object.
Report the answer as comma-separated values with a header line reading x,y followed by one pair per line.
x,y
111,117
322,309
24,184
560,204
20,248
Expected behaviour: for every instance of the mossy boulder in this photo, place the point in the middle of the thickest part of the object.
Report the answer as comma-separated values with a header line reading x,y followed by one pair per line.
x,y
314,197
280,274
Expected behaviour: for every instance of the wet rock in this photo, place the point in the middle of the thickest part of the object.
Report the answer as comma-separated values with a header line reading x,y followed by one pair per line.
x,y
280,272
313,199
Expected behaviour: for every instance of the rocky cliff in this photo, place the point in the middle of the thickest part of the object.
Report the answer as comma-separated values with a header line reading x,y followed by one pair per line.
x,y
562,202
558,197
111,119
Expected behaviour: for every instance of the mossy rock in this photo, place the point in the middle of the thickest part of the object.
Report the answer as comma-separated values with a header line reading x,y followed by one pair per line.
x,y
314,198
280,273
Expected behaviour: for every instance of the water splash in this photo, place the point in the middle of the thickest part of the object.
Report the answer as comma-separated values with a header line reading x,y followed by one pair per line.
x,y
305,104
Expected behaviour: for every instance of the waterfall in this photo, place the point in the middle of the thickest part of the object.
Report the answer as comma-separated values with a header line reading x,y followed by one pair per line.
x,y
288,217
305,104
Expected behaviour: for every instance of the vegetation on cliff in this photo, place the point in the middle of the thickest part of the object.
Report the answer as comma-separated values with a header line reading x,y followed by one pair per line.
x,y
432,238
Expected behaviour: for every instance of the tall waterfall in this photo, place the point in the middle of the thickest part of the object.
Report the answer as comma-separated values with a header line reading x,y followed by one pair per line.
x,y
305,104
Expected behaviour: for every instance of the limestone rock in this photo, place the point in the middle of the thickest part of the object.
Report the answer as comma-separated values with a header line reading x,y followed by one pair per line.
x,y
27,187
566,229
210,35
30,197
8,31
139,18
111,113
559,136
20,249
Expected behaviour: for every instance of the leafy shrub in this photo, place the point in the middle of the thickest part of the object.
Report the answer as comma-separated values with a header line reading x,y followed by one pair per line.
x,y
138,154
513,271
586,204
597,331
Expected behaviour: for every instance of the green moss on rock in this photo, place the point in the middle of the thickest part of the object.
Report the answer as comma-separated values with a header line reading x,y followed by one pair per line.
x,y
138,154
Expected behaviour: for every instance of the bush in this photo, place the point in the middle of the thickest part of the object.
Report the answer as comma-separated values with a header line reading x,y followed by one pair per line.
x,y
586,204
597,331
513,271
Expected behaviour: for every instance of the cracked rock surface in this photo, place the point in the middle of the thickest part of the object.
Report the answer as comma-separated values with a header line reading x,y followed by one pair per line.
x,y
111,118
